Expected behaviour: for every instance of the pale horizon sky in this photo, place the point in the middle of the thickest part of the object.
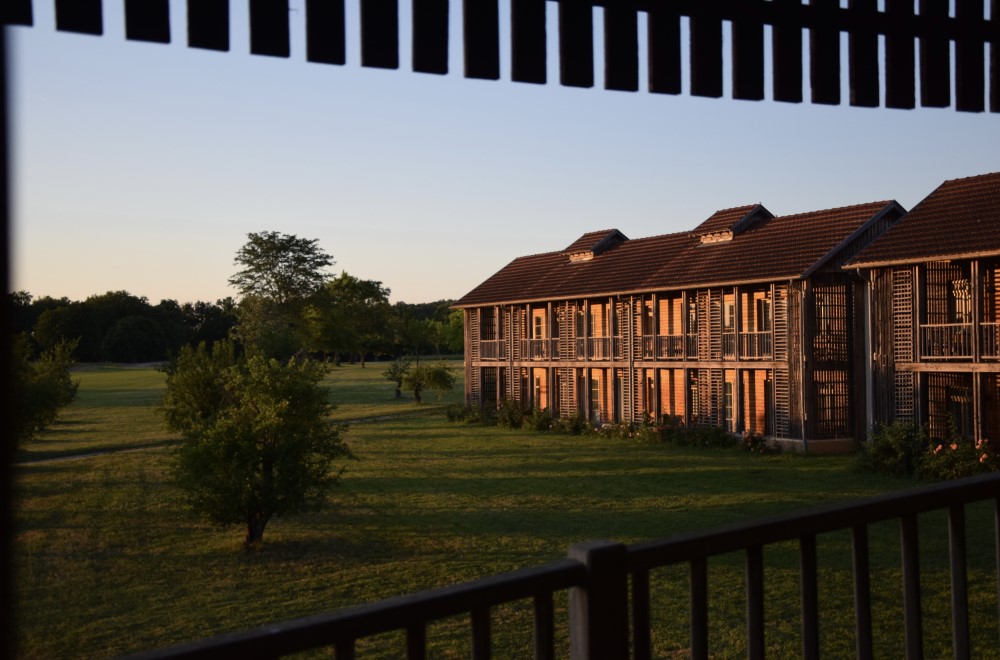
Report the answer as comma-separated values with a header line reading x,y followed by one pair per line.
x,y
143,166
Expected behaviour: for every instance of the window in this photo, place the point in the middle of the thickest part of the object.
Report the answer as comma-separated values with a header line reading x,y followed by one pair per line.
x,y
961,301
763,315
538,328
729,315
595,400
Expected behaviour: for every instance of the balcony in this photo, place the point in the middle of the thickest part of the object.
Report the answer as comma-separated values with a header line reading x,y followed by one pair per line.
x,y
989,338
670,347
492,349
729,344
599,348
946,341
755,345
539,349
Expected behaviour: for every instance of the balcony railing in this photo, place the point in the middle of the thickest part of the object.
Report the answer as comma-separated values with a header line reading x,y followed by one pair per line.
x,y
670,347
492,349
599,348
946,341
539,349
609,588
729,344
755,345
989,338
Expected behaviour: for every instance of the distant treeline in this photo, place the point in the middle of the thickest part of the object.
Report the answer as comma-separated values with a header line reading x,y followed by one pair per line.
x,y
120,327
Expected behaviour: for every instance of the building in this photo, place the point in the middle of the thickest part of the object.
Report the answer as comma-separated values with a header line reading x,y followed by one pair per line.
x,y
749,322
933,343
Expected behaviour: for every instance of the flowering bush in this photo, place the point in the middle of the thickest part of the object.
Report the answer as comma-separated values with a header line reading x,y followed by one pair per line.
x,y
955,458
756,444
895,449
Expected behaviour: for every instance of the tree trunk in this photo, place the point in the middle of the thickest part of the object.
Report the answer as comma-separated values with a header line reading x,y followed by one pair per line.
x,y
399,392
256,522
416,395
362,360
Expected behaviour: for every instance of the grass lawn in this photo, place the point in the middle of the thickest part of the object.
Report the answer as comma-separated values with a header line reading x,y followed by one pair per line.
x,y
109,560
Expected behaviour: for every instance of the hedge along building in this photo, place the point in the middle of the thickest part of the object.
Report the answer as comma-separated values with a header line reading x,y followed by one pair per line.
x,y
933,330
748,323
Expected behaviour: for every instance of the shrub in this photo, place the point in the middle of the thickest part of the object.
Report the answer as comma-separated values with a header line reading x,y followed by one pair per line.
x,y
956,458
895,449
456,412
754,443
40,388
539,420
510,415
575,425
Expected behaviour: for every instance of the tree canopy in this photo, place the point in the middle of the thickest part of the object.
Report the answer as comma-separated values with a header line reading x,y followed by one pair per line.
x,y
257,441
280,267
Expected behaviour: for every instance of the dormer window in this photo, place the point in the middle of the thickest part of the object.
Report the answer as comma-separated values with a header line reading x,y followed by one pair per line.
x,y
717,237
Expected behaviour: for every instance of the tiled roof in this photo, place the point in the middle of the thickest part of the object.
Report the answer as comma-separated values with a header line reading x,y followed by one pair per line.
x,y
773,248
595,241
960,218
727,219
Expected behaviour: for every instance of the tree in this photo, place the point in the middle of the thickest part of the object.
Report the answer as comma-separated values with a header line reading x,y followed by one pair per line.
x,y
352,316
278,276
40,388
135,339
396,373
257,441
428,377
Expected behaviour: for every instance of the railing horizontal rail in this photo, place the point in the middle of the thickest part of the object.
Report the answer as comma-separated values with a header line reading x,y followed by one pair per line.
x,y
792,526
383,616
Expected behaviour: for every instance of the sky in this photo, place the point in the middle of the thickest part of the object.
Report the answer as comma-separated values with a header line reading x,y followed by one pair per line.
x,y
143,167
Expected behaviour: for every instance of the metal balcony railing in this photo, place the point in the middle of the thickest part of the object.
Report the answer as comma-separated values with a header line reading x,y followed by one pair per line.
x,y
539,349
946,341
670,347
989,339
609,588
492,349
755,345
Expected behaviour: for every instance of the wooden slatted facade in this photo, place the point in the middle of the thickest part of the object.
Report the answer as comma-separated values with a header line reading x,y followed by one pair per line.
x,y
932,313
639,330
930,26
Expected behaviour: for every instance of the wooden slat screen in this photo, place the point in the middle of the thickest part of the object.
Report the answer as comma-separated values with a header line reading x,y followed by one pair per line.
x,y
147,20
931,29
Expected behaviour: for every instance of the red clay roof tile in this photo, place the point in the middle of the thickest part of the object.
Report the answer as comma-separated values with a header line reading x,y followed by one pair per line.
x,y
960,218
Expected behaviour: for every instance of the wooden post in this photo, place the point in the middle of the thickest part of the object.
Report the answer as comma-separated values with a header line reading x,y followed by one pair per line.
x,y
598,612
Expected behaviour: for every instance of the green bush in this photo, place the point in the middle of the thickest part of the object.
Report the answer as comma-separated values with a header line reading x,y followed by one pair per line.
x,y
539,420
510,415
956,458
456,412
755,443
895,449
40,388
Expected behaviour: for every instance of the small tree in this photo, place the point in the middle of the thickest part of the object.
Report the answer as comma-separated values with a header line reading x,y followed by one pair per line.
x,y
396,373
41,388
428,377
256,438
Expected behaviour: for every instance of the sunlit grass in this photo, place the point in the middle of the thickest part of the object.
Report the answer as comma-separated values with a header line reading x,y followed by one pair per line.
x,y
109,560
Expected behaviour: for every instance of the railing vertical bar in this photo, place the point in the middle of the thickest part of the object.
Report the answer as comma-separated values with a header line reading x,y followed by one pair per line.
x,y
900,65
528,47
147,20
959,582
862,592
430,36
664,37
996,531
755,602
325,31
621,47
911,587
810,600
208,24
83,16
416,641
786,44
344,650
699,608
824,54
641,646
862,47
576,44
748,55
969,61
935,59
481,633
481,23
545,642
706,52
269,28
380,34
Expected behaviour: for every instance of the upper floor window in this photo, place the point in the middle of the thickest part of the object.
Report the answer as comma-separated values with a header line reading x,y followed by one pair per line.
x,y
763,316
961,301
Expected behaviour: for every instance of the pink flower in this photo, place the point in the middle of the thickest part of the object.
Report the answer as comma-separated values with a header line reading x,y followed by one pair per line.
x,y
937,450
982,459
954,446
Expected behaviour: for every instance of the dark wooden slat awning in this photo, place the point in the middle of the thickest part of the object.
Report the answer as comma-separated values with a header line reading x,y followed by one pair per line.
x,y
931,29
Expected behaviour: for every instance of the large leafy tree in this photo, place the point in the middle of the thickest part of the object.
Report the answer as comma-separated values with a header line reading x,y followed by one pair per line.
x,y
41,387
257,441
279,275
350,315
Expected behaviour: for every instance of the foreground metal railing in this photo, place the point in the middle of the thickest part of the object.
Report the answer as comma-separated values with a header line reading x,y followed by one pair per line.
x,y
609,582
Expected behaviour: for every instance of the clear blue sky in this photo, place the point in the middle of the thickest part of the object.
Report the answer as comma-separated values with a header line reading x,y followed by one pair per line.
x,y
143,166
